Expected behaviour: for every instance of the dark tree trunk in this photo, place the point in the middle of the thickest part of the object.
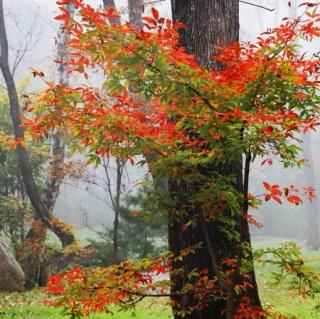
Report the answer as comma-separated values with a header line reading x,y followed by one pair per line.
x,y
209,24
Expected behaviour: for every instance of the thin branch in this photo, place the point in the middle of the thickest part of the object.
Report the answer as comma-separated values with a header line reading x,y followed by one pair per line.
x,y
152,2
109,190
30,40
104,201
257,5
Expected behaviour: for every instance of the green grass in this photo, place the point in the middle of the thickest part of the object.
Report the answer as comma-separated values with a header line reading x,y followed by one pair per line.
x,y
30,305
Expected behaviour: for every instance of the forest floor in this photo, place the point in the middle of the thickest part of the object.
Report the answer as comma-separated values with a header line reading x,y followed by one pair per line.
x,y
30,305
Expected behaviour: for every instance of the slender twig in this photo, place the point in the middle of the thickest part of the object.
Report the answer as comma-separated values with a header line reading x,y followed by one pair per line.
x,y
257,5
109,189
152,2
104,201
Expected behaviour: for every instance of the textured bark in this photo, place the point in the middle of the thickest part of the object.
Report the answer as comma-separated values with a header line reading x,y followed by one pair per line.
x,y
11,274
39,206
135,13
209,24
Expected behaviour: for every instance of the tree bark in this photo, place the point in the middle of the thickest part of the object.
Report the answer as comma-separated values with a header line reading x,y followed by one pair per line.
x,y
209,24
135,13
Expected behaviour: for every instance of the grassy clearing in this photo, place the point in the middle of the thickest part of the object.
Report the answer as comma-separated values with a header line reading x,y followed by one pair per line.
x,y
30,305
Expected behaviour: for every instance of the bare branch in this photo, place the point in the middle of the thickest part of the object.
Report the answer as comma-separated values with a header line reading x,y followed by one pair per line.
x,y
152,2
31,38
257,5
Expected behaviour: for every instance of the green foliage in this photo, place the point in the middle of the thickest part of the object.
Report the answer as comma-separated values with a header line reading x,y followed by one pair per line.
x,y
15,209
291,269
14,213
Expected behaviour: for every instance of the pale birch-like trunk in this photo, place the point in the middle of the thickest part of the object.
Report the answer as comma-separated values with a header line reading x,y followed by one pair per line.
x,y
312,232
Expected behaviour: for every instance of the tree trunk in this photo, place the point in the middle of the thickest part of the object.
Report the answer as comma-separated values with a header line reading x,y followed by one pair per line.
x,y
312,233
209,24
135,8
116,204
110,4
135,13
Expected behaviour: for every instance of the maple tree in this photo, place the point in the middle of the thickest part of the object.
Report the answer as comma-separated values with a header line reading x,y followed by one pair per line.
x,y
189,116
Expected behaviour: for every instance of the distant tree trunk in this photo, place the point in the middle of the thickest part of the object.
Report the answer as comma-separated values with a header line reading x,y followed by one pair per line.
x,y
311,209
115,199
115,254
135,13
209,24
111,4
42,211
